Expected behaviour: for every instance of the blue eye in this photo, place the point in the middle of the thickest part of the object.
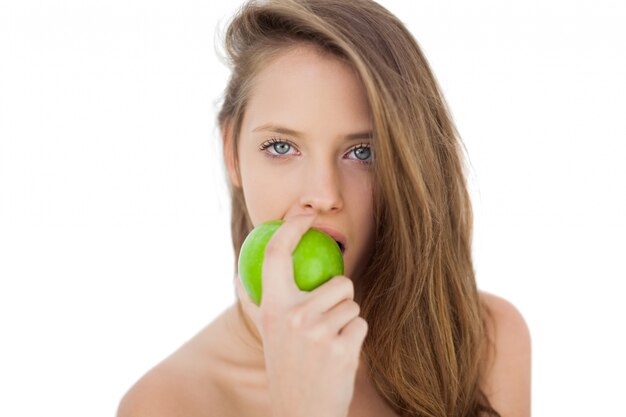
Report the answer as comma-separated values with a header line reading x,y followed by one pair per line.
x,y
363,150
279,145
282,148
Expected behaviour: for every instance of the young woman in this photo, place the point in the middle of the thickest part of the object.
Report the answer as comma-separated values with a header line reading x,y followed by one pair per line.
x,y
333,119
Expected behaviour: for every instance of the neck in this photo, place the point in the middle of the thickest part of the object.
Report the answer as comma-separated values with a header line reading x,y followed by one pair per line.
x,y
246,332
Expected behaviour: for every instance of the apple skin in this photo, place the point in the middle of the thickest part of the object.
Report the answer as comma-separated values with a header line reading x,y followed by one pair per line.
x,y
316,259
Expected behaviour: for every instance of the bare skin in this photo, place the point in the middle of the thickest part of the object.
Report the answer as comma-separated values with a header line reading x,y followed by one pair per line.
x,y
220,372
322,115
297,354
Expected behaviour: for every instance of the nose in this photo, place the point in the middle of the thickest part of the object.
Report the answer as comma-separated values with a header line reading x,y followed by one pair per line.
x,y
321,189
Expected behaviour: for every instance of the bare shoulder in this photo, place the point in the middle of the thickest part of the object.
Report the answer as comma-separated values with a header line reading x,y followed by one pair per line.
x,y
507,380
162,392
181,385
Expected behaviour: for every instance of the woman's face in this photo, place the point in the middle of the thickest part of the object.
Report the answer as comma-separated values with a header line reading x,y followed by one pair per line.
x,y
310,115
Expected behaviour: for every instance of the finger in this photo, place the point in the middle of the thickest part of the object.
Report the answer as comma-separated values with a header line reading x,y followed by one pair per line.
x,y
278,281
354,332
339,316
330,294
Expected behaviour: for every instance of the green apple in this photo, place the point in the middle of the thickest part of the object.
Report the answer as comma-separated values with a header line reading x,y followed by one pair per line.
x,y
316,259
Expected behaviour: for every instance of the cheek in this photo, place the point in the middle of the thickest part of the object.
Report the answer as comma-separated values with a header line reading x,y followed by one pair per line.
x,y
265,194
359,193
360,203
262,200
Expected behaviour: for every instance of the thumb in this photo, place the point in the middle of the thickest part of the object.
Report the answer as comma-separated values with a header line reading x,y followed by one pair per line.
x,y
279,286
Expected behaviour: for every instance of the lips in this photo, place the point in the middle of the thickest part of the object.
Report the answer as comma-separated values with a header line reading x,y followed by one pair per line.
x,y
335,234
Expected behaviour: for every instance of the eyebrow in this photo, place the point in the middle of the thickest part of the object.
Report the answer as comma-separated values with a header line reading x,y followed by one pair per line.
x,y
287,131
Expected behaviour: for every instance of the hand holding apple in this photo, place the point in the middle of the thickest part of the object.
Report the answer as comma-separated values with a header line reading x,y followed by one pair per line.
x,y
311,340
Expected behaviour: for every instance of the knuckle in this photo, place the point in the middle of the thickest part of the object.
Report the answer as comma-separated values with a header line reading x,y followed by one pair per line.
x,y
343,280
297,318
356,308
318,334
270,250
274,248
269,316
346,283
338,350
362,323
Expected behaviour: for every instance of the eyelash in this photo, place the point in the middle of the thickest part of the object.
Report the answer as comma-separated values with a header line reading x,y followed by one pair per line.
x,y
273,141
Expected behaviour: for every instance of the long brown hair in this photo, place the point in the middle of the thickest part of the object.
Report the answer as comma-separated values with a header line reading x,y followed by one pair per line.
x,y
427,345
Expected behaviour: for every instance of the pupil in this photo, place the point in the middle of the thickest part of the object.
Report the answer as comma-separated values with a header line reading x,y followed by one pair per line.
x,y
366,151
278,145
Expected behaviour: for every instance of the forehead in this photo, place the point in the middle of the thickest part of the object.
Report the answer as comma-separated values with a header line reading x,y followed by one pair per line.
x,y
301,83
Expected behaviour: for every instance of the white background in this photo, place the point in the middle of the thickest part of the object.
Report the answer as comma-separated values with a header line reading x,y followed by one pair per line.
x,y
114,218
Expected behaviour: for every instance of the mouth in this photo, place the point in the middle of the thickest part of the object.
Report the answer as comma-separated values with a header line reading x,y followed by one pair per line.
x,y
343,249
335,234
